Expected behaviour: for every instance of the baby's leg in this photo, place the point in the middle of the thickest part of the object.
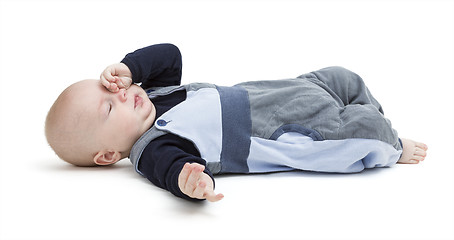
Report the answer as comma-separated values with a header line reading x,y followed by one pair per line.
x,y
347,85
365,121
413,152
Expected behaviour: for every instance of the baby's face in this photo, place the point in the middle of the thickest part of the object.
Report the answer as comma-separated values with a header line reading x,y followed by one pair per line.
x,y
118,119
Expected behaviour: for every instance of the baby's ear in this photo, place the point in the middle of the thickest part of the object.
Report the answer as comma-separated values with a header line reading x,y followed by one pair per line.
x,y
106,157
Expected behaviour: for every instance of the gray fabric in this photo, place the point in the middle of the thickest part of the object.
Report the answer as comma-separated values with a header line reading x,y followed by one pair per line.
x,y
214,167
139,146
337,106
161,91
345,85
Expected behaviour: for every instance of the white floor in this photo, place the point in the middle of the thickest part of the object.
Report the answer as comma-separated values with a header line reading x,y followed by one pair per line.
x,y
404,50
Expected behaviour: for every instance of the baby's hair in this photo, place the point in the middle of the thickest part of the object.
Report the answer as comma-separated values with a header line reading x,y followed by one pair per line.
x,y
65,132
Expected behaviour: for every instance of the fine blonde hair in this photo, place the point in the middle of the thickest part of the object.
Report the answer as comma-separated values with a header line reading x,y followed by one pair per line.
x,y
67,131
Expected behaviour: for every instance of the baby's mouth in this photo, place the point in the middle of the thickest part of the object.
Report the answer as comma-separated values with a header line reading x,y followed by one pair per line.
x,y
138,101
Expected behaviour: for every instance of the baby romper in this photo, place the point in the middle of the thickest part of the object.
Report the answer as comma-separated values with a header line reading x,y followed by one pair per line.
x,y
325,121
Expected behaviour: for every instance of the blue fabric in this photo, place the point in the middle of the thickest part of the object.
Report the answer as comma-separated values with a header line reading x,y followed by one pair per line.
x,y
296,151
199,119
236,129
296,128
157,65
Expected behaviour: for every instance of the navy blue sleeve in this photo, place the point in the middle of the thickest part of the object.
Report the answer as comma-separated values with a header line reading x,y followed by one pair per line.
x,y
155,66
163,159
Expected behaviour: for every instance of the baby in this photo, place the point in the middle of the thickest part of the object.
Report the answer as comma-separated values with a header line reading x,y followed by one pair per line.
x,y
179,136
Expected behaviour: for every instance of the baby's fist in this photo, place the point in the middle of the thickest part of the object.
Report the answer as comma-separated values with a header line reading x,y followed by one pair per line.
x,y
116,76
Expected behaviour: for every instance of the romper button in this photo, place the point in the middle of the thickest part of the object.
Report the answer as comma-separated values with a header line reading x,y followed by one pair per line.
x,y
161,123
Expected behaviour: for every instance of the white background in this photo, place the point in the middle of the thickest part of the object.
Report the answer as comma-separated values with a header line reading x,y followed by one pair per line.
x,y
402,49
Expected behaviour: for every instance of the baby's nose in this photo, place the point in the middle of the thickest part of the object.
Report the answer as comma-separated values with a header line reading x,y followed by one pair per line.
x,y
122,95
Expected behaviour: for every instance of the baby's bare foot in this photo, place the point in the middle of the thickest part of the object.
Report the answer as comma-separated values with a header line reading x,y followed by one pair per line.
x,y
413,152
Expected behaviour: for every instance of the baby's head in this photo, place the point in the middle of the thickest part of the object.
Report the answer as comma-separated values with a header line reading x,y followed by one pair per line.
x,y
89,125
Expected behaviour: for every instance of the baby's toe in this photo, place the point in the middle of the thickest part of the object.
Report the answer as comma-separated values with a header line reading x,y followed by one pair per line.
x,y
420,152
421,145
417,158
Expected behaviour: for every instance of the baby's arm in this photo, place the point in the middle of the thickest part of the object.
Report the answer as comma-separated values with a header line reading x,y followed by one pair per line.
x,y
157,65
193,182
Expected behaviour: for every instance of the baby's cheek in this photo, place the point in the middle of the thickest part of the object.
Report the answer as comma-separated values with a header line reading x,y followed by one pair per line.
x,y
129,128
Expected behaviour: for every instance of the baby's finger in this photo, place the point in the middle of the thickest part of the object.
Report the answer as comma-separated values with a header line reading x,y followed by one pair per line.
x,y
111,86
191,184
199,191
119,82
104,81
212,197
183,177
107,74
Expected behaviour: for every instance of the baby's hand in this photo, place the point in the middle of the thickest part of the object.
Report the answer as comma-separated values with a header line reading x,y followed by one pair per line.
x,y
197,184
116,76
